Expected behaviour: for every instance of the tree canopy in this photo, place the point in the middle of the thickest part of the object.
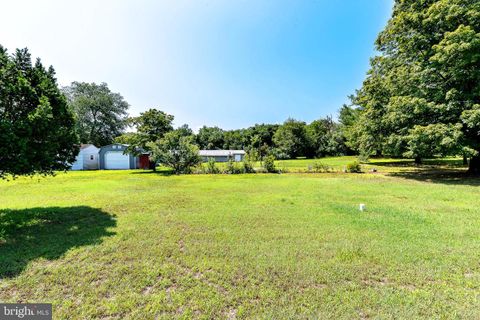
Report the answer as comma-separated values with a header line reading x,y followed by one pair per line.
x,y
421,97
100,114
176,150
292,139
36,126
150,126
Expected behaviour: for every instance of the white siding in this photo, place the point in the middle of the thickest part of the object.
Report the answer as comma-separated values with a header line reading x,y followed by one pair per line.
x,y
78,164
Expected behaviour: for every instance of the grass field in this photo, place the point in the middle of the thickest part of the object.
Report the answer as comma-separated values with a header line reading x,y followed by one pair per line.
x,y
382,165
139,245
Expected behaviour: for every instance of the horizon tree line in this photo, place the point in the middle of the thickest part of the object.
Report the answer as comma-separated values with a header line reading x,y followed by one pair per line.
x,y
420,99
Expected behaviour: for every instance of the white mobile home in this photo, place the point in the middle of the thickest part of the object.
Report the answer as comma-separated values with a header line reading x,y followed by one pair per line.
x,y
222,155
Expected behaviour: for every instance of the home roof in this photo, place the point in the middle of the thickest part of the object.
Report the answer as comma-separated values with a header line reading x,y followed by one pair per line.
x,y
220,153
86,145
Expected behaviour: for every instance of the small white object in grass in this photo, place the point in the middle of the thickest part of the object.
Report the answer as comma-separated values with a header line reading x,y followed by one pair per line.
x,y
362,207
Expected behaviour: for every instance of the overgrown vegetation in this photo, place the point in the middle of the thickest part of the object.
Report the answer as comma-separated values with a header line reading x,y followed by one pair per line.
x,y
354,167
269,164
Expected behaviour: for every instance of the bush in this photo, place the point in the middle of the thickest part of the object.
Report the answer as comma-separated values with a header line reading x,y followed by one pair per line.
x,y
233,168
354,167
321,167
175,151
212,167
269,164
247,166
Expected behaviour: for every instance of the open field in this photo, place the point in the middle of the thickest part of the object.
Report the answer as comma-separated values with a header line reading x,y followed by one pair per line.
x,y
382,165
140,245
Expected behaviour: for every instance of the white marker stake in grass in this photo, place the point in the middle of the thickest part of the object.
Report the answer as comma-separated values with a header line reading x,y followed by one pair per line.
x,y
362,207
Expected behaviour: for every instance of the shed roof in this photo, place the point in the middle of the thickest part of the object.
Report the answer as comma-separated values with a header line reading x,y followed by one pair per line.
x,y
88,145
219,153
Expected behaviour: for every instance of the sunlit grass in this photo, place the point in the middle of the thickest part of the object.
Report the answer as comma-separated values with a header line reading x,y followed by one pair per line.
x,y
140,245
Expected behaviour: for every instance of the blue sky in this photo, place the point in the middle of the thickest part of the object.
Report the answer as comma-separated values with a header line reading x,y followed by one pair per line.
x,y
208,62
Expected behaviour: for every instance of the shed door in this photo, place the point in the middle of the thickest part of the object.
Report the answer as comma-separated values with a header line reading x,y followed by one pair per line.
x,y
238,157
117,160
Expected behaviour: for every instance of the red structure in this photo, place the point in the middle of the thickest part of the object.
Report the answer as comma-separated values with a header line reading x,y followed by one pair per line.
x,y
143,162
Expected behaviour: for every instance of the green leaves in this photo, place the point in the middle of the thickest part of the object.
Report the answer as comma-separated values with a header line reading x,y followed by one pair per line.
x,y
421,95
176,151
101,114
291,138
434,140
36,126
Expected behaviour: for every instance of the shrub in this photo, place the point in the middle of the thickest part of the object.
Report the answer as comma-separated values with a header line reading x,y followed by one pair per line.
x,y
354,167
233,168
175,151
212,167
252,155
321,167
247,166
269,164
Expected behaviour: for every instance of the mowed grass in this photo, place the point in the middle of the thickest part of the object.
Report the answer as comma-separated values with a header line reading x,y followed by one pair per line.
x,y
339,164
138,245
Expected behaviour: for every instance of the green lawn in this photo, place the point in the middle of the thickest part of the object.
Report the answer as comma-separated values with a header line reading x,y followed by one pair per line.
x,y
139,245
338,164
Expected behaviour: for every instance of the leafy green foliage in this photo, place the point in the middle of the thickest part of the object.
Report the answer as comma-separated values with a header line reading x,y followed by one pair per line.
x,y
150,126
36,126
247,165
210,138
325,138
176,151
212,166
354,167
269,164
424,88
292,139
321,167
101,115
233,168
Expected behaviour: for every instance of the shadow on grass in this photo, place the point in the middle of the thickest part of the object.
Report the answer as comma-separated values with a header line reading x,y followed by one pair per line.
x,y
445,171
162,172
439,175
29,234
427,163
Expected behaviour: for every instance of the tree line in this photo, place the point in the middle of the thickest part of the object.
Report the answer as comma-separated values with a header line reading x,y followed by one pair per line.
x,y
420,99
101,119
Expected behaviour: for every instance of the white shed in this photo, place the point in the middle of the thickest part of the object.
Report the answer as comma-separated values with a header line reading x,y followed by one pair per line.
x,y
87,158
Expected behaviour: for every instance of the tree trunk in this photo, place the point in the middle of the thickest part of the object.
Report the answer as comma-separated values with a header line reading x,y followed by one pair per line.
x,y
418,160
474,167
465,160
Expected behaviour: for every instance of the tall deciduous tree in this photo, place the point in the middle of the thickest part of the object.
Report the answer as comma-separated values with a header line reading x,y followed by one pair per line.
x,y
150,126
292,139
325,138
36,126
422,95
100,114
210,138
